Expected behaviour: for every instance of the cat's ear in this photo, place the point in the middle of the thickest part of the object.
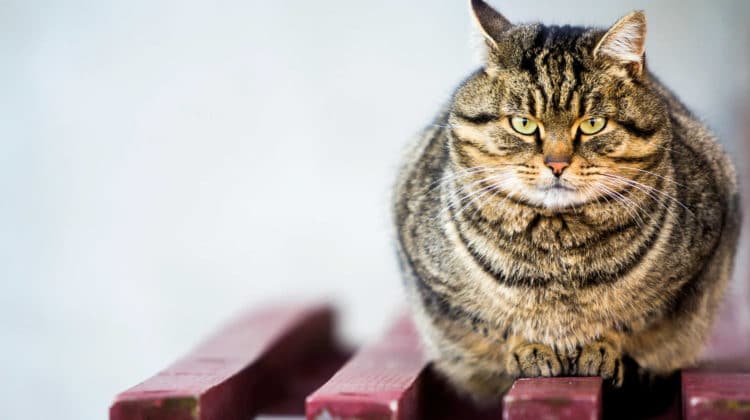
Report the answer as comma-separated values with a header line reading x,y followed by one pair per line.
x,y
625,43
490,21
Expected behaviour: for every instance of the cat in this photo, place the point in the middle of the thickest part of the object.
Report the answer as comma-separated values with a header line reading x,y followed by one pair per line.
x,y
563,213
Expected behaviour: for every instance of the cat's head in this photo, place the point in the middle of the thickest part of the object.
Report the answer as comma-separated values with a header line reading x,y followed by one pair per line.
x,y
558,116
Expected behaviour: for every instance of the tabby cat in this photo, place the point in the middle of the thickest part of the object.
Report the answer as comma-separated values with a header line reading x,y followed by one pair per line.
x,y
564,212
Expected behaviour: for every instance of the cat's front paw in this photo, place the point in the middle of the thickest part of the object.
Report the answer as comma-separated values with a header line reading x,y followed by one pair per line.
x,y
600,358
531,360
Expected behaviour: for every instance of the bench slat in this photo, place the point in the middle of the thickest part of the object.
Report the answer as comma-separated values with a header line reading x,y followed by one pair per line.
x,y
382,381
715,395
236,372
554,398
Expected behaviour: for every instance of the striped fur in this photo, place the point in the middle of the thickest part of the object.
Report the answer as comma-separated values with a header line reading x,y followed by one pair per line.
x,y
508,279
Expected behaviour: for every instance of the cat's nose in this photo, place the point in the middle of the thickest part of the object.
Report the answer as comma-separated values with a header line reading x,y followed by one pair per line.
x,y
557,166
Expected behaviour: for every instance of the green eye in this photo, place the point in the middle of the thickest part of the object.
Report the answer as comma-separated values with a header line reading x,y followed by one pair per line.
x,y
592,125
523,125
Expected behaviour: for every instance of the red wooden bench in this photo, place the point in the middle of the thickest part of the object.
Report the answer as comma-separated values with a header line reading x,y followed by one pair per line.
x,y
284,363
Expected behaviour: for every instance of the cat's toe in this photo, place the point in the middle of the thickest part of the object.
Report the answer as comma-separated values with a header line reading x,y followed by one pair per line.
x,y
600,359
532,360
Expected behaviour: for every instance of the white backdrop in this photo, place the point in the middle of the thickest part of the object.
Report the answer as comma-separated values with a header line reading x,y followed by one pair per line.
x,y
165,164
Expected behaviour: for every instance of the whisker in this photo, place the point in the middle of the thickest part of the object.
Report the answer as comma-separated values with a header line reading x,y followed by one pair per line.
x,y
503,186
452,202
458,175
509,193
465,193
650,194
495,191
467,187
464,171
634,203
651,173
486,190
642,186
588,190
626,203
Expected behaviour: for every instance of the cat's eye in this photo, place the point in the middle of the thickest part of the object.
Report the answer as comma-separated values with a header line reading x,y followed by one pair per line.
x,y
592,125
523,125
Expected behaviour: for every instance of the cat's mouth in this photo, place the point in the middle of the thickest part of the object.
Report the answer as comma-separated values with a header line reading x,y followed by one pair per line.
x,y
557,186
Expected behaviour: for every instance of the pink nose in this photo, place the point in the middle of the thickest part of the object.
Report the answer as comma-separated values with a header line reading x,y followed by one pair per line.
x,y
558,167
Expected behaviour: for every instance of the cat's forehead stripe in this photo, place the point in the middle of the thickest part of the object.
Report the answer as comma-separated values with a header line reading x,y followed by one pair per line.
x,y
554,66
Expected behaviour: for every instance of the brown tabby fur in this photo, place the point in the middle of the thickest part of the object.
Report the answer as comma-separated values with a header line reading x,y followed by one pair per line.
x,y
505,284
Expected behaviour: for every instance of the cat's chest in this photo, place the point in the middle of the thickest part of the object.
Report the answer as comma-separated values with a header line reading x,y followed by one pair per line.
x,y
557,314
561,247
558,233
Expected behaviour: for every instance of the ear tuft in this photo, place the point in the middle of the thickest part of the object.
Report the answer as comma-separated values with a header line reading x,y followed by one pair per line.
x,y
490,21
625,42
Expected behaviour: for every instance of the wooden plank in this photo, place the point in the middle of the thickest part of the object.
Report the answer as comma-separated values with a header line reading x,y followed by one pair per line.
x,y
236,372
382,381
715,395
554,398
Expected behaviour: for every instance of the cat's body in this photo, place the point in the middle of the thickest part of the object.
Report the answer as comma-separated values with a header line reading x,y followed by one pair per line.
x,y
509,278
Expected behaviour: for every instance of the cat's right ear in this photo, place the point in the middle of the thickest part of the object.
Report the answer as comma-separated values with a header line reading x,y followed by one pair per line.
x,y
490,21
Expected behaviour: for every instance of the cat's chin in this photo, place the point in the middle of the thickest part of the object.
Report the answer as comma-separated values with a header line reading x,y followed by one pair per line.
x,y
555,198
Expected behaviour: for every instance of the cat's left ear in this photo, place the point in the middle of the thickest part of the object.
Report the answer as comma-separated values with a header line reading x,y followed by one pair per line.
x,y
625,43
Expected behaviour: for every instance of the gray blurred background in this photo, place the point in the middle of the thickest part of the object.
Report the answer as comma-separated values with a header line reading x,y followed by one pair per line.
x,y
166,164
